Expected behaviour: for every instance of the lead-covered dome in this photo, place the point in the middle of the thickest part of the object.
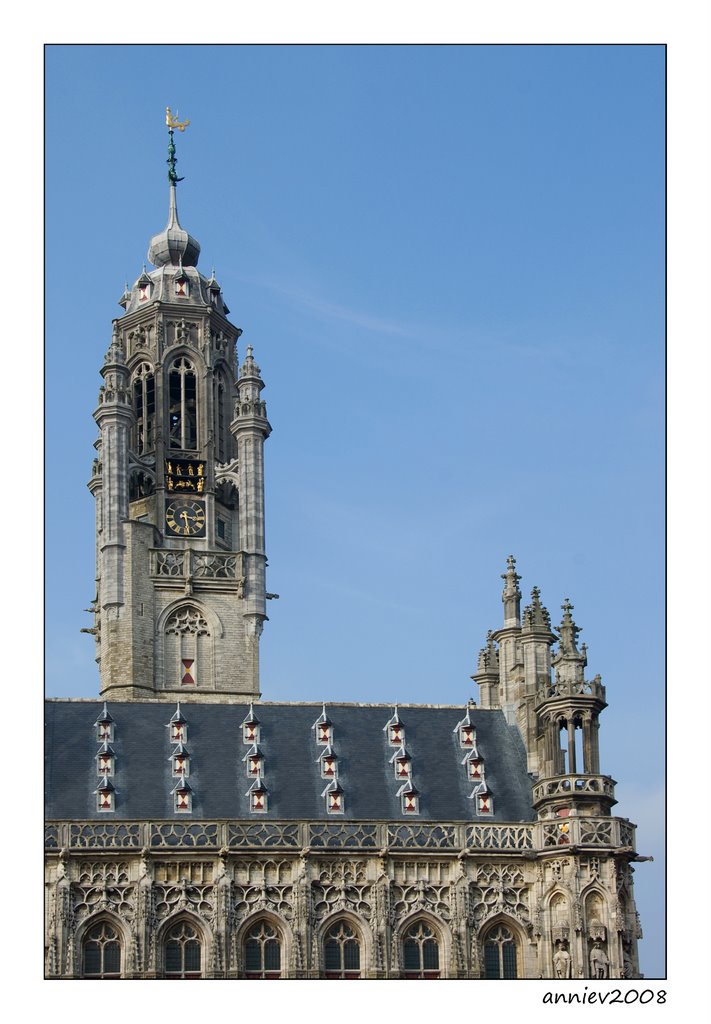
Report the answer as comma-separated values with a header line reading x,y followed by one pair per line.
x,y
174,245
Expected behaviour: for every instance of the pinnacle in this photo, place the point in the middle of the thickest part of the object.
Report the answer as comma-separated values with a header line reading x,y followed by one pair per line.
x,y
568,630
535,615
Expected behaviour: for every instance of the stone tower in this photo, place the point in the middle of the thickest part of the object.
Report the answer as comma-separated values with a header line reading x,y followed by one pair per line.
x,y
179,487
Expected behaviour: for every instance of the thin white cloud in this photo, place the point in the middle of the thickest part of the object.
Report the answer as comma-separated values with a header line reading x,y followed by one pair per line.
x,y
332,311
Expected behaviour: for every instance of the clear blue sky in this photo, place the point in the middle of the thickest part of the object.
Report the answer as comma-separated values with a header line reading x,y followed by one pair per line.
x,y
449,261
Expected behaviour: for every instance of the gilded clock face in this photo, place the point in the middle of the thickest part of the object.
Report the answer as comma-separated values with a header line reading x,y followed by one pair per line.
x,y
185,518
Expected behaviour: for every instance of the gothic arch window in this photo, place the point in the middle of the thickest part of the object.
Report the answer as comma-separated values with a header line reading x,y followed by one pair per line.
x,y
183,951
420,951
144,407
182,405
220,407
341,952
500,953
101,952
262,951
188,649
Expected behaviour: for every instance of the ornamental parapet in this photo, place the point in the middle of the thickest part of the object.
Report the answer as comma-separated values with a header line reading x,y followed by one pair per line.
x,y
563,689
573,785
171,569
319,836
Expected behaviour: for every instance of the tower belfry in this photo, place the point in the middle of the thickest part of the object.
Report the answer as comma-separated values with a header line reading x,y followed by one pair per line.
x,y
179,486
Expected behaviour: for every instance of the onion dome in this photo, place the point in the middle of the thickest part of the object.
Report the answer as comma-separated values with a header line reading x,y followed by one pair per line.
x,y
173,245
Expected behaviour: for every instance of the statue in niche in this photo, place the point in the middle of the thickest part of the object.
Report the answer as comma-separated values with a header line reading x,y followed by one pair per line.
x,y
627,965
599,963
561,961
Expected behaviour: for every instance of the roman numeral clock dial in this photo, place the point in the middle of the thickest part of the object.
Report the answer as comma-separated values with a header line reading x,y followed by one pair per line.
x,y
185,518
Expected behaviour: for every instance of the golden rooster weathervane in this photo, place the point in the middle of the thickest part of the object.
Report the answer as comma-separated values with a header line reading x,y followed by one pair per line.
x,y
173,123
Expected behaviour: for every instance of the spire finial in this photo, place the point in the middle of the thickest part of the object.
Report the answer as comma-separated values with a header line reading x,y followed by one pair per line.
x,y
568,630
174,242
173,123
511,595
535,615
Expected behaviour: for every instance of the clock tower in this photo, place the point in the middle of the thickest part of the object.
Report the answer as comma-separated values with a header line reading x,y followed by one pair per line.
x,y
179,486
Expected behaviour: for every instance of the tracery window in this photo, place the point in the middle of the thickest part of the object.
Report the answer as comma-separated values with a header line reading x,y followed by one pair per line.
x,y
101,952
183,952
420,950
182,405
144,406
262,952
341,952
500,959
188,648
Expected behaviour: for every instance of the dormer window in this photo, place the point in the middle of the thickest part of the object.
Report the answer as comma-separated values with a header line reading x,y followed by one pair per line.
x,y
324,729
395,731
105,761
402,763
475,768
484,801
410,798
467,733
178,728
104,726
182,286
329,764
144,291
183,797
105,796
180,762
257,794
250,728
255,761
334,798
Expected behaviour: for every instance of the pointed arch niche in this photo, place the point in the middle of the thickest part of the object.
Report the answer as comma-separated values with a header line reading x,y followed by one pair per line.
x,y
186,646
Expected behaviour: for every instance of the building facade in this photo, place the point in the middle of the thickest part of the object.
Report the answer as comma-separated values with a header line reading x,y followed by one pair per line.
x,y
194,830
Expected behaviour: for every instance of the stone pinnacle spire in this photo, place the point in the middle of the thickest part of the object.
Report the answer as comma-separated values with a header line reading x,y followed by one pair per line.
x,y
535,614
568,630
511,595
488,656
249,367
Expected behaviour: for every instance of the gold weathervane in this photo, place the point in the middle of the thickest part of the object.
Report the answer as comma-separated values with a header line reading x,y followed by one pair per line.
x,y
173,122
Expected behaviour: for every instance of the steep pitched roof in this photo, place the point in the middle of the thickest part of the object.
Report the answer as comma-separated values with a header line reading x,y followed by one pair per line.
x,y
143,780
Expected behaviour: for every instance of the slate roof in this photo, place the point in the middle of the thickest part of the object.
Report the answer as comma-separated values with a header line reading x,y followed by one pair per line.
x,y
143,779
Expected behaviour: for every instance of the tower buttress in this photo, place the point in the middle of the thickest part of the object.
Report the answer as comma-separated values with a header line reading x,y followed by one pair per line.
x,y
114,417
250,429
